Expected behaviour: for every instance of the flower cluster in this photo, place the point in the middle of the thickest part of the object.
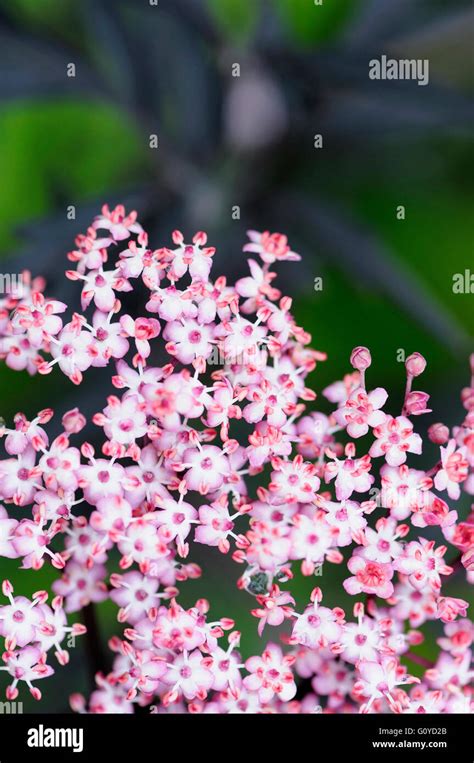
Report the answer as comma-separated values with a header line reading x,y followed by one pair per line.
x,y
222,445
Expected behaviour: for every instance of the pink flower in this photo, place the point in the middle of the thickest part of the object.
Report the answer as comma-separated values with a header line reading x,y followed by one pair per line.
x,y
135,594
318,627
74,351
449,608
415,364
117,222
423,564
293,481
369,577
416,606
382,544
109,340
351,475
256,287
20,619
100,286
361,411
270,246
434,511
28,665
225,667
274,608
271,675
395,437
18,477
187,674
123,420
361,640
345,519
80,585
380,679
188,340
31,541
7,530
174,520
454,470
458,637
216,525
100,479
207,468
40,319
416,403
403,490
195,257
269,547
311,538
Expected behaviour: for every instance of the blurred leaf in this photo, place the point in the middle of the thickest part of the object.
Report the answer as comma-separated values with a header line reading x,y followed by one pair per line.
x,y
49,14
311,23
364,317
33,67
107,46
438,227
71,148
236,19
178,100
380,21
358,250
447,44
353,104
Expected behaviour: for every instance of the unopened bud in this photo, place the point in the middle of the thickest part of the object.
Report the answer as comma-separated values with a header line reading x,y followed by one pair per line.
x,y
438,433
73,421
415,364
416,402
360,358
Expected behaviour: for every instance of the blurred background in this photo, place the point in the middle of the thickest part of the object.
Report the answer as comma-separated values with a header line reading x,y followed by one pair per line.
x,y
248,141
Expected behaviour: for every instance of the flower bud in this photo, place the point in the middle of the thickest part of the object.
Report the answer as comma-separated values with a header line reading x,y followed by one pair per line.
x,y
73,421
467,398
415,364
468,560
415,403
360,358
449,608
438,433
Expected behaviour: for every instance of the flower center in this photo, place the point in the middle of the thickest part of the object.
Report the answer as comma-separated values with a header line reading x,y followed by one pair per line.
x,y
194,337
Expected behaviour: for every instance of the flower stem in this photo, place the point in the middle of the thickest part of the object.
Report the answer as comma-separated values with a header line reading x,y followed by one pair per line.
x,y
93,643
419,660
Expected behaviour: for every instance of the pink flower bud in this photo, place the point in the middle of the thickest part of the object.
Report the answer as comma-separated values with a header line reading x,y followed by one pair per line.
x,y
77,703
7,588
415,364
438,433
73,421
360,358
415,403
467,397
468,560
449,608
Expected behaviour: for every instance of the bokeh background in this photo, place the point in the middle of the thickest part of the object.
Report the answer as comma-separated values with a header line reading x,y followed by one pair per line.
x,y
248,141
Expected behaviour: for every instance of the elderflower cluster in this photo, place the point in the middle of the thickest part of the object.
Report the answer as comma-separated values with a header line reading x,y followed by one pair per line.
x,y
222,445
